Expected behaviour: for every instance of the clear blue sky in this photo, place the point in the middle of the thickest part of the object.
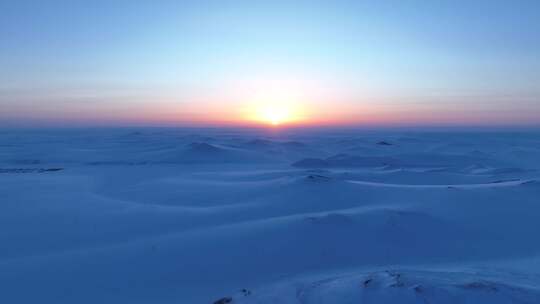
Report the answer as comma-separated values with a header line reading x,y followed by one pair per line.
x,y
182,62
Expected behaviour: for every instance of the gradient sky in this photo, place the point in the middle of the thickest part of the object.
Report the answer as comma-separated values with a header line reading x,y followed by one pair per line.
x,y
214,62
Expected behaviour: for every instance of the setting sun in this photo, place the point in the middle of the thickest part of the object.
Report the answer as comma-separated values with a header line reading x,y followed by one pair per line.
x,y
274,115
268,104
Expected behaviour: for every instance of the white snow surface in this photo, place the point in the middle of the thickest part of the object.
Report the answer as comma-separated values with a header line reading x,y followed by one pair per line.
x,y
152,215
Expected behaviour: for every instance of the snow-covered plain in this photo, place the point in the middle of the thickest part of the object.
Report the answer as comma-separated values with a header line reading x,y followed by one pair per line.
x,y
282,216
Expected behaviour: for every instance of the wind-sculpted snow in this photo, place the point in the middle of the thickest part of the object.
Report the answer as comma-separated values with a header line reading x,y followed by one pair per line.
x,y
418,160
238,216
400,287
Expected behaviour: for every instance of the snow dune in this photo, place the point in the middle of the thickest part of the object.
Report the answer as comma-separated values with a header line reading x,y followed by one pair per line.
x,y
501,183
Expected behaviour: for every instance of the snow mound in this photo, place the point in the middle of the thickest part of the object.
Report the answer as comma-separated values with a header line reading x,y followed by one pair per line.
x,y
260,143
311,163
29,170
345,161
202,147
203,153
294,144
318,178
399,160
396,287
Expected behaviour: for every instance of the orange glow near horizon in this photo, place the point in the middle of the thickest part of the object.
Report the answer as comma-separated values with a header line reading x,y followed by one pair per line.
x,y
265,103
